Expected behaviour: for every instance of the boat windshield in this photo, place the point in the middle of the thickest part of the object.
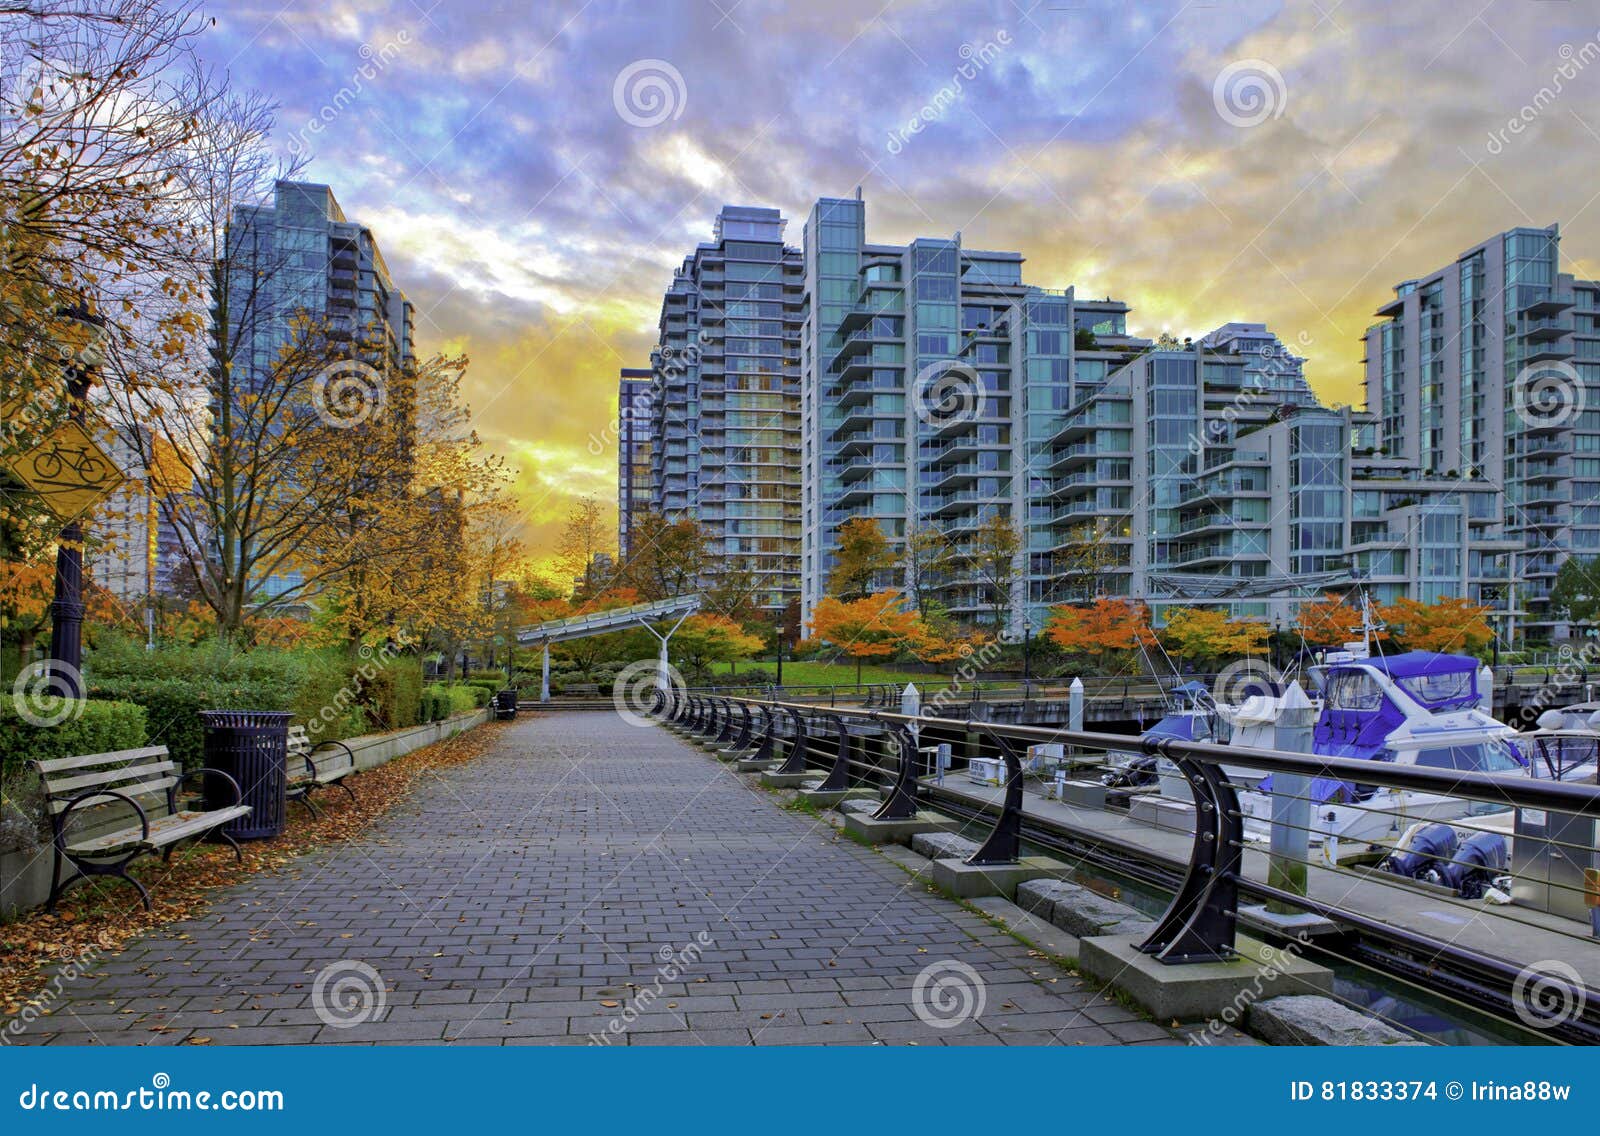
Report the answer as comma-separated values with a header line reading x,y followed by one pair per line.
x,y
1491,756
1441,688
1353,690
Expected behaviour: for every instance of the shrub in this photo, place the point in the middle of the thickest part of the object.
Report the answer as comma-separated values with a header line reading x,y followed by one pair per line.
x,y
396,694
453,699
172,707
102,727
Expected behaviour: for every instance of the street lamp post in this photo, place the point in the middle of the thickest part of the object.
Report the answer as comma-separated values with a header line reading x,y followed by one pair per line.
x,y
66,608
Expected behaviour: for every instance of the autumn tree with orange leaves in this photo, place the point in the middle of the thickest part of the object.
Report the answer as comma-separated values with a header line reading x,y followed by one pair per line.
x,y
876,626
1105,630
1329,621
1448,624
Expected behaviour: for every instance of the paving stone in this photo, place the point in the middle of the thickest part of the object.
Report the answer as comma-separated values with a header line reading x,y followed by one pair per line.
x,y
582,861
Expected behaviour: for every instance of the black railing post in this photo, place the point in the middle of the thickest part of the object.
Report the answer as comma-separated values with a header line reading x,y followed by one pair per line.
x,y
768,728
838,779
742,741
901,803
1004,844
1199,925
796,761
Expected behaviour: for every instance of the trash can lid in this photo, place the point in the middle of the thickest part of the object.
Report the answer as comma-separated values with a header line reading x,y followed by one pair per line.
x,y
236,719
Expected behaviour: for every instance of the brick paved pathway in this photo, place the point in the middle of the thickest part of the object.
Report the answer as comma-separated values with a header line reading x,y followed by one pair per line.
x,y
514,899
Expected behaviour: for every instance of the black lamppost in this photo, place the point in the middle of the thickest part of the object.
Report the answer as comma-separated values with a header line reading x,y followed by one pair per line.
x,y
66,609
1027,654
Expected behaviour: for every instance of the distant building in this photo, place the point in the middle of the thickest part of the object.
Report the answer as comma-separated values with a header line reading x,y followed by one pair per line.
x,y
1487,371
725,419
634,402
301,256
890,331
136,551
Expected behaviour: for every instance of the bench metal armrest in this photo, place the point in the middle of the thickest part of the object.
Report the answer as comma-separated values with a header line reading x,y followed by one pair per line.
x,y
238,793
334,742
59,821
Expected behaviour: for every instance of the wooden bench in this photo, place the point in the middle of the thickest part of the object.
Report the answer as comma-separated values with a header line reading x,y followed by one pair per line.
x,y
582,690
95,788
314,765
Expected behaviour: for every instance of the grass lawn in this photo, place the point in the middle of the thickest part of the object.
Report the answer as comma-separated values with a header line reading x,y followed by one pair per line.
x,y
832,674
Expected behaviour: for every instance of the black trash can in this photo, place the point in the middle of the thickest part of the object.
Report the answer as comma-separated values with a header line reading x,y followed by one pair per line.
x,y
252,747
505,702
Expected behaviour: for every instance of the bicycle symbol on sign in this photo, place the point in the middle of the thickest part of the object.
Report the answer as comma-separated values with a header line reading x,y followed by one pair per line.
x,y
52,464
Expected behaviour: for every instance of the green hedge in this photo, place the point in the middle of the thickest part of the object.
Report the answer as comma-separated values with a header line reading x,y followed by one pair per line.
x,y
100,727
334,693
445,701
172,707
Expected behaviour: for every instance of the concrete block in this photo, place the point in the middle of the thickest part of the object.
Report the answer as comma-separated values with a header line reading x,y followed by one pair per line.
x,y
862,825
749,765
1193,991
964,880
1085,912
1163,812
1084,794
774,780
831,798
1291,924
936,845
1308,1019
1039,933
1039,896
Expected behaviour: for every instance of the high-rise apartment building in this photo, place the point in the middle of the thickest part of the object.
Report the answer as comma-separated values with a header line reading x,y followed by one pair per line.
x,y
933,391
634,401
934,381
302,259
725,419
1487,372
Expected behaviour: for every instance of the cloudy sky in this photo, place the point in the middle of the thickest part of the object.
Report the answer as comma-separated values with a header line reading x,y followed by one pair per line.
x,y
535,171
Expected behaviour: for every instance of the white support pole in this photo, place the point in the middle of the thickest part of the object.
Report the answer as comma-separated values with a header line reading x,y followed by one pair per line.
x,y
544,675
1075,705
911,707
1290,847
662,666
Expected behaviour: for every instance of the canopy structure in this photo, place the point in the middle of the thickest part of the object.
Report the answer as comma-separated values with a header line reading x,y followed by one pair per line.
x,y
603,622
1196,585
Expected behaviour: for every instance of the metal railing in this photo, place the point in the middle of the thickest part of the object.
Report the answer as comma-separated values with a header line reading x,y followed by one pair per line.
x,y
859,745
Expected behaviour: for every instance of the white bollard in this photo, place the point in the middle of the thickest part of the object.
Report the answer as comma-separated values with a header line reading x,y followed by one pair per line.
x,y
1291,796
